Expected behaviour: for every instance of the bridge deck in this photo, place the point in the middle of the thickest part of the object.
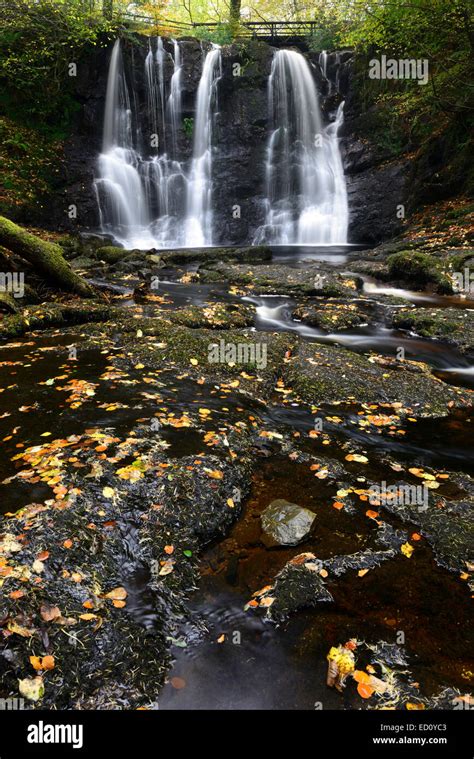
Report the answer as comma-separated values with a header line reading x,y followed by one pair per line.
x,y
264,30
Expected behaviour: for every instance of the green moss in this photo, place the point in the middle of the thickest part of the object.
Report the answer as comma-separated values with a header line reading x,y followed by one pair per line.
x,y
419,270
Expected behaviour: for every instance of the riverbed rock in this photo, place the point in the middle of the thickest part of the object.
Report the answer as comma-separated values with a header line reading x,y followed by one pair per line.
x,y
315,279
330,316
328,373
215,316
285,523
454,325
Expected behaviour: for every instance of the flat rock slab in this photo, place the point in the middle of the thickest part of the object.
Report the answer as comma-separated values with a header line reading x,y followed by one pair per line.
x,y
314,279
285,523
455,325
328,373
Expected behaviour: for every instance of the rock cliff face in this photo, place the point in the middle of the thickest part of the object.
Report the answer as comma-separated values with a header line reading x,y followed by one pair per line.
x,y
376,179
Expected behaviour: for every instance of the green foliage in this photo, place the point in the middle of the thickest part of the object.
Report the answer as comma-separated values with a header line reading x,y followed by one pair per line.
x,y
39,39
188,126
222,34
29,169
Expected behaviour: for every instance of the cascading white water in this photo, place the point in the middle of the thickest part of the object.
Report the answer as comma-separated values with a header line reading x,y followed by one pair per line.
x,y
306,199
198,223
146,197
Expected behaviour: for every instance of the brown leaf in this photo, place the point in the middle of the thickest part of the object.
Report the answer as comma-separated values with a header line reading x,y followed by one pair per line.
x,y
48,613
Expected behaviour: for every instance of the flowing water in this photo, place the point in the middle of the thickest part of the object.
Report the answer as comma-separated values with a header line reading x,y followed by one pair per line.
x,y
306,201
147,196
151,196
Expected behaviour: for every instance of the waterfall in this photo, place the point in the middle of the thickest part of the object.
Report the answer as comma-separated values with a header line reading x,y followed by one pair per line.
x,y
174,100
146,197
306,199
198,222
119,189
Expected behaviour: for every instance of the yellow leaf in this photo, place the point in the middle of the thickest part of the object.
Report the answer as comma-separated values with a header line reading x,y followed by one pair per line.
x,y
117,594
31,688
407,550
108,492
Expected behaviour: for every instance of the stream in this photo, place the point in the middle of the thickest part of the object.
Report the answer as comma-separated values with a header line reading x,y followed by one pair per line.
x,y
226,657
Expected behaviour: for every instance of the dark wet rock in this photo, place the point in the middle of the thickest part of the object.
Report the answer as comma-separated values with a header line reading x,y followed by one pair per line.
x,y
373,208
251,359
91,547
447,525
298,585
111,254
454,325
215,316
53,315
285,523
82,262
324,373
282,280
367,559
330,316
253,254
389,536
418,270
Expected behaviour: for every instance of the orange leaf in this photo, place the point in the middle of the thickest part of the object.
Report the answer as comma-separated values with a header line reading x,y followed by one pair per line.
x,y
36,662
169,549
47,662
365,690
15,594
360,676
117,594
338,505
67,543
371,514
119,604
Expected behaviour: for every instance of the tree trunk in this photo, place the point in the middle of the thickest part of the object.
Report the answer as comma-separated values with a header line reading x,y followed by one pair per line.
x,y
234,16
46,257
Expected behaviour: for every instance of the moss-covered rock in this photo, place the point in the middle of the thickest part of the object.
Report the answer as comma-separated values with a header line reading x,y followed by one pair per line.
x,y
53,315
326,373
215,316
330,316
281,280
455,325
418,270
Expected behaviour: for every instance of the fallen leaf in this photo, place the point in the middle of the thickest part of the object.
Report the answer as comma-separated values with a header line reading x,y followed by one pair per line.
x,y
32,688
178,683
117,594
48,613
365,690
407,549
371,514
